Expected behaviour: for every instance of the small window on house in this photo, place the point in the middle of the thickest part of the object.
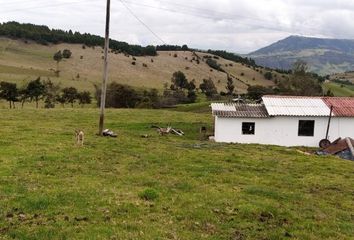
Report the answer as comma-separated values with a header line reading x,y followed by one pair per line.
x,y
248,128
306,128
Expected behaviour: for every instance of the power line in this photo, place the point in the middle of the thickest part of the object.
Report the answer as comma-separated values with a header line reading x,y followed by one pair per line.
x,y
21,2
218,15
144,24
44,6
155,34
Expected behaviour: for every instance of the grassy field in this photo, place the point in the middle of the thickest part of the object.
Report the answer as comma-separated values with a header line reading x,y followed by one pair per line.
x,y
339,90
166,187
21,62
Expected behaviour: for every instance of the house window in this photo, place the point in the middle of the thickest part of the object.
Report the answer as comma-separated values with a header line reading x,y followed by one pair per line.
x,y
248,128
306,128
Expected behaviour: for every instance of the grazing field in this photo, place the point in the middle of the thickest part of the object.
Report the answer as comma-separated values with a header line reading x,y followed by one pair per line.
x,y
21,62
339,90
161,187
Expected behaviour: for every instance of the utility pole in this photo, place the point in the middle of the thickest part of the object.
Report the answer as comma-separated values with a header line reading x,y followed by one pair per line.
x,y
105,73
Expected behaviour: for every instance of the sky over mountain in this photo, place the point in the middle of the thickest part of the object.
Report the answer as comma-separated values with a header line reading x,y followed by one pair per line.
x,y
234,25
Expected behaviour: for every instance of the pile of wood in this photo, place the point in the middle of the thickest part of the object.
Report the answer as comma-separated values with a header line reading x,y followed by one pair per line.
x,y
168,130
340,147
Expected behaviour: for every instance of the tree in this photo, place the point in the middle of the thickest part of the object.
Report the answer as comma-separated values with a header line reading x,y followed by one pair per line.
x,y
60,99
179,80
208,88
45,35
192,96
230,87
256,92
300,82
9,92
50,94
181,91
66,53
185,47
300,67
304,83
268,76
70,95
119,96
35,90
58,57
191,85
23,95
84,97
213,64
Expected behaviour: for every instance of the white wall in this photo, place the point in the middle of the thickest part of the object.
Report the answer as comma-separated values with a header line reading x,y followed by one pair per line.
x,y
281,131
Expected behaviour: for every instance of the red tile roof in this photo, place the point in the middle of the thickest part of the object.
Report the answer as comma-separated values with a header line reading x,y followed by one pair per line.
x,y
342,106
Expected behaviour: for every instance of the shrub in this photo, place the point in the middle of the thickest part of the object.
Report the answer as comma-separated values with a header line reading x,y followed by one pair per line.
x,y
268,76
67,53
213,64
149,194
133,63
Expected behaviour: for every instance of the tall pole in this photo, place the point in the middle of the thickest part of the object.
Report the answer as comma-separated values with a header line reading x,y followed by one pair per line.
x,y
105,70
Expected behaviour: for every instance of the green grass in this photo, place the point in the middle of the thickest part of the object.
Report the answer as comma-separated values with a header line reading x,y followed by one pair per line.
x,y
52,189
199,107
340,91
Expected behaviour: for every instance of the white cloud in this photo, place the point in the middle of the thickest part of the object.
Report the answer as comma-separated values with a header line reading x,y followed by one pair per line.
x,y
240,26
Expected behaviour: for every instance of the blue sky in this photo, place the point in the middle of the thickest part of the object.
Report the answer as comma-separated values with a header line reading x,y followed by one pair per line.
x,y
240,25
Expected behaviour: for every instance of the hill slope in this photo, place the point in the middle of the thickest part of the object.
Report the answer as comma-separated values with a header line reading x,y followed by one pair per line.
x,y
325,56
21,61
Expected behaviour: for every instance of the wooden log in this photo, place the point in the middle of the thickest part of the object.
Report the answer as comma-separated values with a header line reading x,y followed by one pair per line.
x,y
350,145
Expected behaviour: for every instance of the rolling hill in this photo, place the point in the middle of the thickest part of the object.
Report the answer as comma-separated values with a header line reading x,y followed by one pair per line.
x,y
24,60
324,56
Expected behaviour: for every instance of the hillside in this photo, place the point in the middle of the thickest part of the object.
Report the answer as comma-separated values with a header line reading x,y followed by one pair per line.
x,y
341,84
324,56
162,187
21,61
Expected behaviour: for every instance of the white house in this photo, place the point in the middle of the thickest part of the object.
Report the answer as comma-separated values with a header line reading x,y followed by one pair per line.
x,y
285,120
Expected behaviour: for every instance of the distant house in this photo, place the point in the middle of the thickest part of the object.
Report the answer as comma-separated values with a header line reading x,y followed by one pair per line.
x,y
284,120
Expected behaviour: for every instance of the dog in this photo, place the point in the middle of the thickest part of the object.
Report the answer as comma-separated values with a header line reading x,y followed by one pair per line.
x,y
79,137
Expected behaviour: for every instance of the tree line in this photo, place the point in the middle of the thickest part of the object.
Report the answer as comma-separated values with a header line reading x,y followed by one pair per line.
x,y
37,90
221,53
180,90
44,35
167,47
233,57
300,82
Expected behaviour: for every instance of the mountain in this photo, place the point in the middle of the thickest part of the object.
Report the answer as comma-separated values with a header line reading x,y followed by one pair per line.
x,y
324,56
